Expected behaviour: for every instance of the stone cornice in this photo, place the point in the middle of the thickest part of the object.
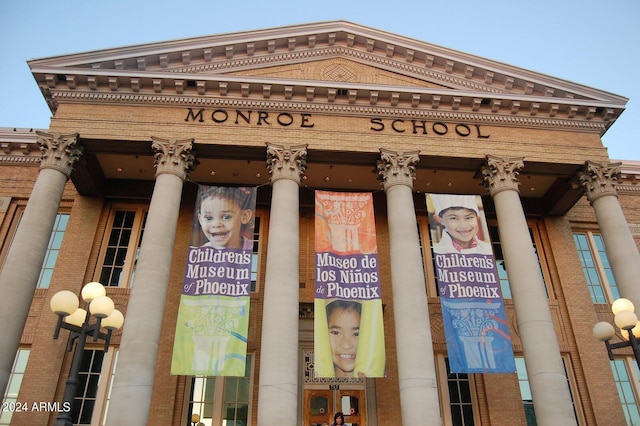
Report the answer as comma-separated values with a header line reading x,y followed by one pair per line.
x,y
194,71
310,40
19,146
327,103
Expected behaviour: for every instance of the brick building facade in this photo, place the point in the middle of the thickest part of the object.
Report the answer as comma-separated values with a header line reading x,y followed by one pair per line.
x,y
292,110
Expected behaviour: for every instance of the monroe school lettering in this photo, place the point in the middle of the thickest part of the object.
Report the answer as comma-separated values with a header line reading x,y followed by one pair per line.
x,y
422,127
257,118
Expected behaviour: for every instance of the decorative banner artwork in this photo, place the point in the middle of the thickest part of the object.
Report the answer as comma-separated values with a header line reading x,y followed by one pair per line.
x,y
472,308
213,318
348,323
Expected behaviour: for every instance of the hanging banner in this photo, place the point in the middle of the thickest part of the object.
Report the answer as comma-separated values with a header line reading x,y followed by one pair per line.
x,y
213,318
473,312
348,323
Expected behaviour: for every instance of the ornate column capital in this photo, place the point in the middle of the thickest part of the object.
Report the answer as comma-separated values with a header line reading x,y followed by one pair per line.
x,y
59,152
173,156
397,168
598,179
286,161
501,173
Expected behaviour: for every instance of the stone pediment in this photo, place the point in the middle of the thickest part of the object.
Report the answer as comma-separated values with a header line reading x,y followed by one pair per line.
x,y
330,67
339,70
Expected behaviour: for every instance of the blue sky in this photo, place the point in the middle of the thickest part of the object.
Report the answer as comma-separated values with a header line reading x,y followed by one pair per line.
x,y
589,42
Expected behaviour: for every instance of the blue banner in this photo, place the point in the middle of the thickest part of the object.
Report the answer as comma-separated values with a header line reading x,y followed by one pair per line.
x,y
473,311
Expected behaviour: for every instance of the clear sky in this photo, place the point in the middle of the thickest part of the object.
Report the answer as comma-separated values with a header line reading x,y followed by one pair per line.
x,y
591,42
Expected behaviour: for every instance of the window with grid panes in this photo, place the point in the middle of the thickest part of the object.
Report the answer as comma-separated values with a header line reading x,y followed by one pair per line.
x,y
109,365
87,391
221,401
525,390
625,373
596,267
14,384
120,255
460,398
51,257
255,258
500,263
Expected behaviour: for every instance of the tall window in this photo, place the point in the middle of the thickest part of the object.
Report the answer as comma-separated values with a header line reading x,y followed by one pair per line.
x,y
625,376
502,269
255,258
120,255
525,390
500,263
109,365
87,391
13,386
222,401
51,257
596,267
459,390
95,377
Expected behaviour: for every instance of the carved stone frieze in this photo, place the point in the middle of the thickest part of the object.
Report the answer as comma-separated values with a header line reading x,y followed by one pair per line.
x,y
59,152
173,156
286,161
501,174
325,107
397,168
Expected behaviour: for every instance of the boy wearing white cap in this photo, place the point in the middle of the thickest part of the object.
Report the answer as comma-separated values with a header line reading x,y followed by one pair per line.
x,y
458,214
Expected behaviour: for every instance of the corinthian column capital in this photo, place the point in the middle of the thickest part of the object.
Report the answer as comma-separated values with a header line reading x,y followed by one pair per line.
x,y
397,168
598,179
173,156
59,152
286,162
501,174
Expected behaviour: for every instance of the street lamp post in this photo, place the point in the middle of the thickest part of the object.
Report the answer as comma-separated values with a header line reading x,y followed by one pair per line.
x,y
81,325
627,321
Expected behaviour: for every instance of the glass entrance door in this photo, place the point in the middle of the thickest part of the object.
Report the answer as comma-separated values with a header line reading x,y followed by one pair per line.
x,y
321,404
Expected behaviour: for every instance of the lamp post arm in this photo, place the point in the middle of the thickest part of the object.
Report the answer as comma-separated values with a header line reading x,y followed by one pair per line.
x,y
611,347
633,341
107,339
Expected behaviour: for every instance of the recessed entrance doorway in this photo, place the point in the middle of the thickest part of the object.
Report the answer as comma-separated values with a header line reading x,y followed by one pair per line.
x,y
321,404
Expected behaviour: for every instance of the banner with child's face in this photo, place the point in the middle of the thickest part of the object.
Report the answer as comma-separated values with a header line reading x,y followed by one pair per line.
x,y
213,318
473,313
348,323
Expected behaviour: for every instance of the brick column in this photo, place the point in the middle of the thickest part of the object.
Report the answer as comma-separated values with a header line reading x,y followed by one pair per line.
x,y
545,370
19,275
133,381
278,388
598,181
416,363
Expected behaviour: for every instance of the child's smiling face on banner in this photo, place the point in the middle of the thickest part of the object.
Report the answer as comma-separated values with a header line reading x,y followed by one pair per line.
x,y
461,224
344,330
221,221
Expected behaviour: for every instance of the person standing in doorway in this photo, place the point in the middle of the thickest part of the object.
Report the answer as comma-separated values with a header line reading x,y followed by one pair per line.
x,y
338,419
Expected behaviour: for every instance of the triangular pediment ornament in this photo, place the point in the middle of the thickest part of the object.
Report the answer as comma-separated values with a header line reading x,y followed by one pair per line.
x,y
338,70
316,63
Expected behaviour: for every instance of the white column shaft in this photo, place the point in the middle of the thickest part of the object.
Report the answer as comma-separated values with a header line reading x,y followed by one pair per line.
x,y
621,249
545,370
133,382
278,388
416,364
19,275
